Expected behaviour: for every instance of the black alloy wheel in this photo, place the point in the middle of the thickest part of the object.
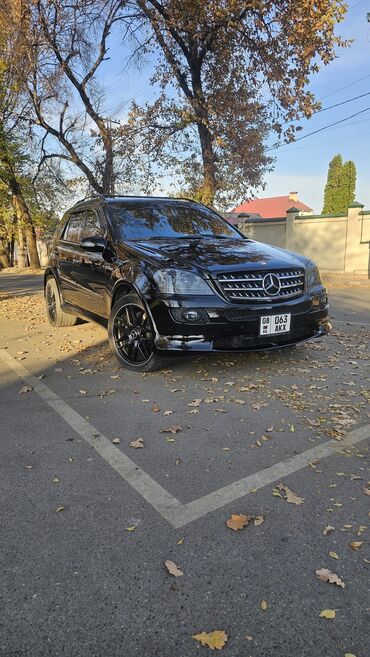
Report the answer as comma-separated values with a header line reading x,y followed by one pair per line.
x,y
131,335
51,303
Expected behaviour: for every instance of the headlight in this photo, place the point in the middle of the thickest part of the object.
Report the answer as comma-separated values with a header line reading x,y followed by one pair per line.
x,y
173,281
313,275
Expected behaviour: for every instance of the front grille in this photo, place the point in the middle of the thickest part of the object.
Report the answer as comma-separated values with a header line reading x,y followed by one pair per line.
x,y
251,285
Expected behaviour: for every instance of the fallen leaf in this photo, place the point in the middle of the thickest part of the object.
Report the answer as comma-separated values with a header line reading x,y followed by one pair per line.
x,y
56,480
130,529
24,389
173,569
349,654
155,408
328,613
195,402
248,637
290,497
292,428
116,441
28,467
173,429
180,541
366,490
83,392
167,413
355,545
137,444
333,555
326,575
238,521
263,605
328,529
258,520
59,509
216,639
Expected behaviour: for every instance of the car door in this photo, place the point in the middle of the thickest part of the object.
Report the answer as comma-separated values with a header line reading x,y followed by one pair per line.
x,y
94,269
68,252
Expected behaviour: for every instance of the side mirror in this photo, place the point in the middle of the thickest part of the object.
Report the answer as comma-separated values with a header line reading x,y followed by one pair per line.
x,y
94,244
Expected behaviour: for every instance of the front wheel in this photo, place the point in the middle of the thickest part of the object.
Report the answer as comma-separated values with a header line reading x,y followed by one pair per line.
x,y
131,335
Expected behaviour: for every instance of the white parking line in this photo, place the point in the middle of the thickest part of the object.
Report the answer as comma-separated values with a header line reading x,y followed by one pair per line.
x,y
171,509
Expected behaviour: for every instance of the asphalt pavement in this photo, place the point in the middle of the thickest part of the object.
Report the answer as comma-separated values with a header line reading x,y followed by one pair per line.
x,y
88,521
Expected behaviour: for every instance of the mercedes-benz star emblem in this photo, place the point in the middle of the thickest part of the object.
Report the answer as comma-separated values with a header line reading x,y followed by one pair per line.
x,y
271,285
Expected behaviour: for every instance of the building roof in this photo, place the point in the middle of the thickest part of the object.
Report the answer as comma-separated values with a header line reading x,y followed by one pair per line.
x,y
274,207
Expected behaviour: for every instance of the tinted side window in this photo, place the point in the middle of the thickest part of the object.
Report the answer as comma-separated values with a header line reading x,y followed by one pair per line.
x,y
92,226
73,230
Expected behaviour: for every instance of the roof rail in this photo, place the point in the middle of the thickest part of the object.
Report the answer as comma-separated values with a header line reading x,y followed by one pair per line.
x,y
97,195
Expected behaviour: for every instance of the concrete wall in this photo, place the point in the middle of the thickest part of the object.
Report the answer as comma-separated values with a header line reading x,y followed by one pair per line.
x,y
337,243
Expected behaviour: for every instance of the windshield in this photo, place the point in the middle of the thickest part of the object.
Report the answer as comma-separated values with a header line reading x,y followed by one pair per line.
x,y
146,220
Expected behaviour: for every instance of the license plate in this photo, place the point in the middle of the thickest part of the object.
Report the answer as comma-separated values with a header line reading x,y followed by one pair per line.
x,y
273,324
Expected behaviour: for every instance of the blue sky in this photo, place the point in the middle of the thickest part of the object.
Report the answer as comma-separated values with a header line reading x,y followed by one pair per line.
x,y
300,166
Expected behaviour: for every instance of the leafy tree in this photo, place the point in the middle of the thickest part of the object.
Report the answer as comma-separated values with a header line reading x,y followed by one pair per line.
x,y
348,184
12,156
228,73
332,185
340,188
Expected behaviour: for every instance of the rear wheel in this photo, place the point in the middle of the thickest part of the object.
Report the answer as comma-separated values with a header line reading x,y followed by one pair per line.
x,y
131,335
55,314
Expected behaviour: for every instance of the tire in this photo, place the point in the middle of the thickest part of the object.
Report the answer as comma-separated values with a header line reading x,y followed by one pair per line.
x,y
56,315
131,335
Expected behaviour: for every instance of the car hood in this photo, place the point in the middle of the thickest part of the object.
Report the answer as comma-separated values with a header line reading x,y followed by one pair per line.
x,y
213,254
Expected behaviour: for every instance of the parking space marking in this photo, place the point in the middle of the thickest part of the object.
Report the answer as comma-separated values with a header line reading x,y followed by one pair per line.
x,y
171,509
167,505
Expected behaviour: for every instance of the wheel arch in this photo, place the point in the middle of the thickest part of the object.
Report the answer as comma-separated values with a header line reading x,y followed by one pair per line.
x,y
123,287
50,273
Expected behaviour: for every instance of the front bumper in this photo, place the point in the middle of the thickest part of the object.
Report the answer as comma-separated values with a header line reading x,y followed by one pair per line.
x,y
235,327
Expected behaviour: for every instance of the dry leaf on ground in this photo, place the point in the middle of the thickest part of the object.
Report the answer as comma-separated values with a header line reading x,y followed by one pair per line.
x,y
59,509
173,429
167,413
137,444
290,497
328,529
326,575
172,568
155,408
214,640
238,521
333,555
328,613
355,545
116,441
24,389
263,605
258,520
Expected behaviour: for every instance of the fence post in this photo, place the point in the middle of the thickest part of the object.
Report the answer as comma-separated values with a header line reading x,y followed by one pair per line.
x,y
353,237
291,216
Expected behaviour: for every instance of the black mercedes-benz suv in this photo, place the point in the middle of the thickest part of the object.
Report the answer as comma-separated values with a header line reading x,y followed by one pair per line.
x,y
172,275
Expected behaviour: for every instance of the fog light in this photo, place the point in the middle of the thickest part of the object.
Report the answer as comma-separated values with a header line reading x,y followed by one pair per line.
x,y
192,315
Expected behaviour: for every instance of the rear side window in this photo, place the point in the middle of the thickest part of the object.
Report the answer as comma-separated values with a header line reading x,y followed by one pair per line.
x,y
73,230
92,226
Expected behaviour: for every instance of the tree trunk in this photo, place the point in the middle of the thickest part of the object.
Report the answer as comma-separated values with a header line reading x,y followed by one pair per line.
x,y
209,186
21,249
24,218
4,260
108,173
